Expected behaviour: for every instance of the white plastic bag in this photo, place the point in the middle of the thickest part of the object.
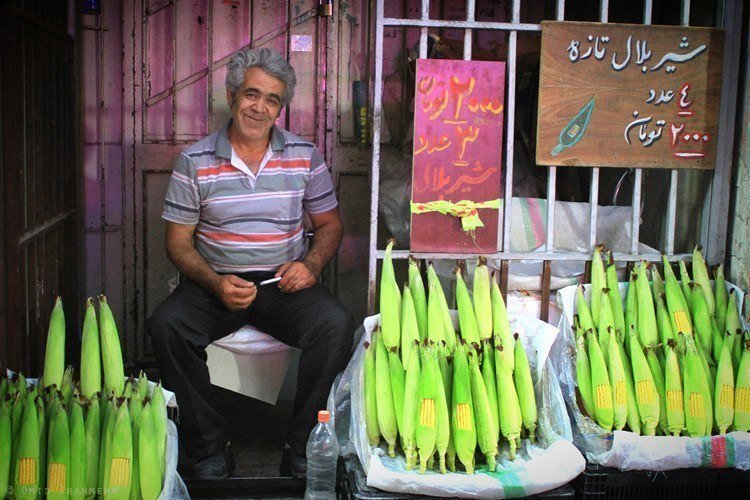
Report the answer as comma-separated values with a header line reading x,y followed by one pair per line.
x,y
551,462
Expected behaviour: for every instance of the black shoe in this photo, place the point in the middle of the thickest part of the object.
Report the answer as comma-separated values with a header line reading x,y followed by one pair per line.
x,y
292,464
215,467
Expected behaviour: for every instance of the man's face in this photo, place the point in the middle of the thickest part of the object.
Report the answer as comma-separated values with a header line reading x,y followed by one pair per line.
x,y
256,105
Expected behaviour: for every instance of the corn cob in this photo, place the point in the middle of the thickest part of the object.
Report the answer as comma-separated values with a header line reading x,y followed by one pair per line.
x,y
390,301
159,411
657,282
411,407
120,455
490,383
583,311
685,284
466,318
500,323
114,378
143,388
108,426
615,298
658,373
700,277
598,282
20,383
93,438
419,296
742,392
701,318
5,444
487,434
663,322
631,312
449,335
525,389
647,331
601,388
463,430
445,364
409,326
67,386
16,421
135,406
511,418
26,469
645,390
606,322
426,431
78,467
732,325
371,409
482,301
435,317
721,298
618,383
442,416
634,418
717,341
709,371
129,385
697,419
583,376
3,385
58,459
54,352
397,376
148,458
91,360
43,424
386,411
724,395
674,392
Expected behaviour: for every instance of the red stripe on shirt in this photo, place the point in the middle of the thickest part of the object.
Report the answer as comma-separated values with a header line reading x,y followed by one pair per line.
x,y
250,238
290,163
218,169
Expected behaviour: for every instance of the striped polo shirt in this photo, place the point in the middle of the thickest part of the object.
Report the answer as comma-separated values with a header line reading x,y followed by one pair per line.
x,y
247,222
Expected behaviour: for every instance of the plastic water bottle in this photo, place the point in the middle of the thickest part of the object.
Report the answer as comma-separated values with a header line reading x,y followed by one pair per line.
x,y
322,457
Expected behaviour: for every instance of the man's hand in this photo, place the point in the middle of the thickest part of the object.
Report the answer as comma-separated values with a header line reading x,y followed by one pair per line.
x,y
295,276
234,292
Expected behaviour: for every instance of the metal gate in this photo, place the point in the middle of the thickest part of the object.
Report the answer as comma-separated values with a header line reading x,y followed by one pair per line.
x,y
713,229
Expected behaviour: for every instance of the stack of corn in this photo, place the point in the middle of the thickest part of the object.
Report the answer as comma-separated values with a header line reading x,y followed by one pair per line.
x,y
63,437
673,361
435,392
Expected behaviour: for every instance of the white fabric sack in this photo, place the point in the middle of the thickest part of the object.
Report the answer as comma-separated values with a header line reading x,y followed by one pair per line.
x,y
623,449
551,462
250,340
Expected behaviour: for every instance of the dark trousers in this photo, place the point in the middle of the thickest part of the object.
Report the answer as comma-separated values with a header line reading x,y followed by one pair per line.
x,y
191,318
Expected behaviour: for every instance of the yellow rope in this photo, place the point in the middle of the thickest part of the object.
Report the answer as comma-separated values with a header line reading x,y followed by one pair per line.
x,y
465,209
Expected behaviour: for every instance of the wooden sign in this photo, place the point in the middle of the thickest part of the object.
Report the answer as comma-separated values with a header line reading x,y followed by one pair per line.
x,y
622,95
458,144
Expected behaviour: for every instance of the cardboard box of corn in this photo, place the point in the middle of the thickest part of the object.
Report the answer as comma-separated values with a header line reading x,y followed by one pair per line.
x,y
99,434
459,404
656,371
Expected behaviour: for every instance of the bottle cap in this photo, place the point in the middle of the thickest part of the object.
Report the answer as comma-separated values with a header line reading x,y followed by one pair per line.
x,y
324,416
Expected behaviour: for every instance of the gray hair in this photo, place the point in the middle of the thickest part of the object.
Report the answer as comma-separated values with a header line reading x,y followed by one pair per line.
x,y
269,61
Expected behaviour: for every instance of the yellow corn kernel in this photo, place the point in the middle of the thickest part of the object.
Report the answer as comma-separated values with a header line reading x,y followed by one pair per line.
x,y
119,472
463,416
27,472
57,478
620,393
696,406
645,392
743,399
682,322
726,396
674,401
427,413
603,395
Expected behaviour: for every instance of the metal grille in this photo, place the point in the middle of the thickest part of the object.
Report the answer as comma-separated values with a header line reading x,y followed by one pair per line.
x,y
715,213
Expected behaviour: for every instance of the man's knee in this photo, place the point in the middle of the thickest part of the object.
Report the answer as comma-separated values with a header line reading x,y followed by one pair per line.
x,y
342,327
161,328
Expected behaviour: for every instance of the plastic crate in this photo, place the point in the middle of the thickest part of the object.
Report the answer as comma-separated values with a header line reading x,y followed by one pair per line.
x,y
352,484
598,482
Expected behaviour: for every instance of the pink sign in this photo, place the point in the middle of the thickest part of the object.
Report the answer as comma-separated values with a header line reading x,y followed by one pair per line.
x,y
458,144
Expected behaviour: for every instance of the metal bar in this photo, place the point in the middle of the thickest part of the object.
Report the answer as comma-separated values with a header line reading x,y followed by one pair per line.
x,y
100,148
593,207
468,34
174,72
44,227
425,16
551,193
510,130
456,24
672,210
716,209
603,11
546,277
537,256
635,220
685,13
647,11
209,64
560,10
504,275
377,112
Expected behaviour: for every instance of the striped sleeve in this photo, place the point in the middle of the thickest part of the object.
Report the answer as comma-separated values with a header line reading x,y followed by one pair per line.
x,y
182,201
319,195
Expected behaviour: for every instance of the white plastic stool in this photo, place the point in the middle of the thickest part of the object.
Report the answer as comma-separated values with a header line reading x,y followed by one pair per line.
x,y
253,363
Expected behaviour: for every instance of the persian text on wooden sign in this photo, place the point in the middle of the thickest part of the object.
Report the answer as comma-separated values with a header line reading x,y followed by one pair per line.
x,y
458,143
622,95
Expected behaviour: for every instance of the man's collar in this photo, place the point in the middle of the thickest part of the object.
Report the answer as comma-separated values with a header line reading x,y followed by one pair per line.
x,y
224,147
